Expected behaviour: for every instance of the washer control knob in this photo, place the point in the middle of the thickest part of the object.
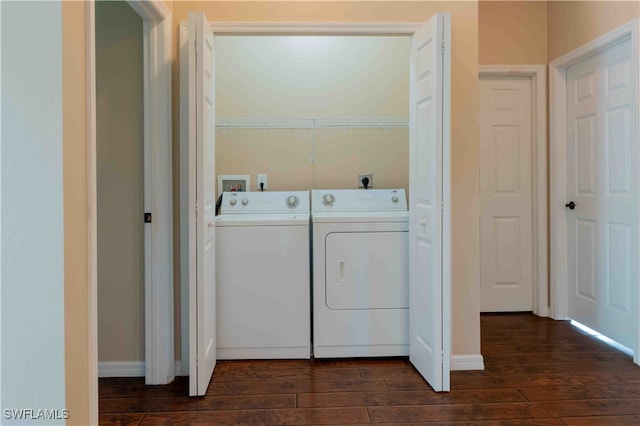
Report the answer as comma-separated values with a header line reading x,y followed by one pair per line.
x,y
292,202
232,201
394,198
245,201
328,200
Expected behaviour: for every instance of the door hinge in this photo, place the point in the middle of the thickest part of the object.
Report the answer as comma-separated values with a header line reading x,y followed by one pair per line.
x,y
442,357
195,44
442,205
196,206
147,217
442,45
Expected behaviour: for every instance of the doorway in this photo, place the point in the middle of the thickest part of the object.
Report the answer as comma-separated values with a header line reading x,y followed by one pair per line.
x,y
513,188
158,366
157,362
595,175
120,190
430,215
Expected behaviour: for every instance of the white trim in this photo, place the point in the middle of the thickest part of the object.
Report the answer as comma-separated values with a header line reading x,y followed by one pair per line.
x,y
177,368
129,369
329,28
558,157
558,191
1,223
159,331
635,70
446,247
151,10
92,211
597,45
537,73
467,362
121,369
373,28
185,211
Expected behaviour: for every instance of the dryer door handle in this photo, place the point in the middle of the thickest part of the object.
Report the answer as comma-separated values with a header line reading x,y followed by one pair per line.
x,y
341,270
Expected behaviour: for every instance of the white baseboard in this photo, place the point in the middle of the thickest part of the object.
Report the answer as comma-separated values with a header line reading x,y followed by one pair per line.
x,y
121,369
177,368
129,369
467,362
136,368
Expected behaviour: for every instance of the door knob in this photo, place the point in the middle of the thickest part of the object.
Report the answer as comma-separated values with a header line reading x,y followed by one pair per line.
x,y
571,205
210,224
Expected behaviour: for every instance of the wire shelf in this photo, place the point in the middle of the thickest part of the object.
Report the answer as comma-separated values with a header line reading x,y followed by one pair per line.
x,y
313,123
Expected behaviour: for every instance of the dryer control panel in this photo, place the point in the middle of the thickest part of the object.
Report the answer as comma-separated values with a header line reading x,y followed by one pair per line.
x,y
358,200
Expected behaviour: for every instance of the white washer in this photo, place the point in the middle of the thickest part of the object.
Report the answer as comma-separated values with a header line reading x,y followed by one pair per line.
x,y
360,273
263,278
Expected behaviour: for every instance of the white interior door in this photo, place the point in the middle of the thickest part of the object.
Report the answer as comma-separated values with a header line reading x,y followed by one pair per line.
x,y
506,223
429,211
601,181
202,286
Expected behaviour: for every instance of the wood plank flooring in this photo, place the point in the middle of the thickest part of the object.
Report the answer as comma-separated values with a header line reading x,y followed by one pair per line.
x,y
537,372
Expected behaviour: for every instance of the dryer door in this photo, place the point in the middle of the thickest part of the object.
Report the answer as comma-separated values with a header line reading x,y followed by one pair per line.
x,y
367,270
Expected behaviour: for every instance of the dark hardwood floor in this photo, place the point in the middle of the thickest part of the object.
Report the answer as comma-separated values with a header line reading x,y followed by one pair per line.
x,y
537,372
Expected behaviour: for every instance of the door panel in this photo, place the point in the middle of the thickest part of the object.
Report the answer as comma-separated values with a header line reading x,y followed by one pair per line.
x,y
506,222
429,330
202,289
602,228
367,270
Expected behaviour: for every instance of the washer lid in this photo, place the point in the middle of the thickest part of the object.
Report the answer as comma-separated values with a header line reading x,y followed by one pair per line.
x,y
262,220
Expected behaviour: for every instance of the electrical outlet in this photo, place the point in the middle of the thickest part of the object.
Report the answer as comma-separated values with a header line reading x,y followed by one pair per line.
x,y
262,179
368,176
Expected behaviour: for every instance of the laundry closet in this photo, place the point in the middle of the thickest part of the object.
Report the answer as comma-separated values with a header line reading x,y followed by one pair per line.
x,y
317,112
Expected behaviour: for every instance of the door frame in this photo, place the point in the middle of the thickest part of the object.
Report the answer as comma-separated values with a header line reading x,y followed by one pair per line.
x,y
159,349
558,157
159,281
286,28
538,77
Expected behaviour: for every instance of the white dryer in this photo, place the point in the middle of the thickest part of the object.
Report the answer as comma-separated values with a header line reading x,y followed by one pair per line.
x,y
263,276
360,273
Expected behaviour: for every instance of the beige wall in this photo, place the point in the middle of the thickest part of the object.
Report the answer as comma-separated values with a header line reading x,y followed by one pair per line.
x,y
572,24
77,324
512,32
284,155
312,76
308,76
120,180
466,327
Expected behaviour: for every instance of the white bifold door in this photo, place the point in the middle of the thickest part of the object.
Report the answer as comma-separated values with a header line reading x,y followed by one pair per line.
x,y
602,193
429,202
201,152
